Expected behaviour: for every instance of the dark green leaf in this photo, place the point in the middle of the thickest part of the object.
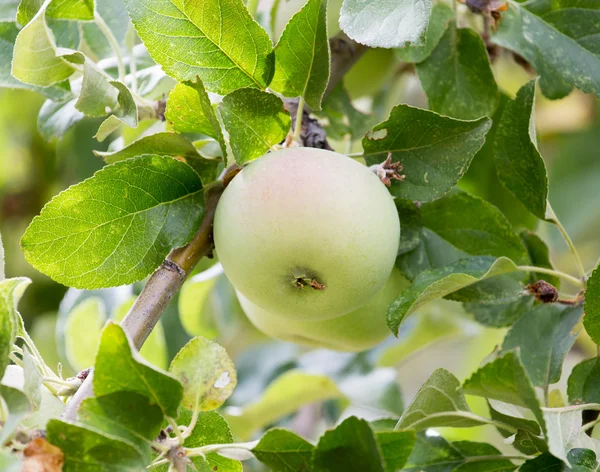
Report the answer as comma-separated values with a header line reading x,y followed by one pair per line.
x,y
11,291
528,439
284,451
500,315
215,40
441,14
539,256
126,415
544,336
256,121
206,373
581,460
584,382
439,402
592,306
518,162
350,447
396,447
434,150
189,111
505,379
457,76
437,283
435,454
472,225
379,23
342,119
86,449
411,221
560,39
120,369
89,236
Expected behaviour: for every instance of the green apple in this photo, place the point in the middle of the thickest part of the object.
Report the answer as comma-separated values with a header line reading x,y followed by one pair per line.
x,y
307,233
356,331
370,73
287,8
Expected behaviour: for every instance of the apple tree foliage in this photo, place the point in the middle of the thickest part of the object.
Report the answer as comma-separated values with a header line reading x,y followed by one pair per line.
x,y
185,88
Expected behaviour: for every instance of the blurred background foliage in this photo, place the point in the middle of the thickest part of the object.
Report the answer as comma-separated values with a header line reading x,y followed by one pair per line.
x,y
276,378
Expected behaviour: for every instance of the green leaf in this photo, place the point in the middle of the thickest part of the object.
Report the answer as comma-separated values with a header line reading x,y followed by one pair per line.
x,y
126,113
114,13
412,224
439,402
119,368
284,451
35,61
592,306
437,283
500,315
87,449
206,372
210,428
457,77
97,94
341,118
11,291
584,382
56,118
543,337
8,461
167,144
581,460
351,446
126,415
379,23
32,379
82,332
435,454
215,40
396,447
285,395
539,255
194,304
472,225
255,120
528,439
63,9
564,431
189,111
560,39
441,14
505,379
88,236
18,407
518,162
302,55
434,150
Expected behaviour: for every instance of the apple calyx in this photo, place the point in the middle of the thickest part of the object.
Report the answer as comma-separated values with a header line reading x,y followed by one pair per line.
x,y
313,283
388,170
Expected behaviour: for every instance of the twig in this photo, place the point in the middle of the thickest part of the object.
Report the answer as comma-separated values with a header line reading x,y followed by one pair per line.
x,y
162,285
554,219
556,273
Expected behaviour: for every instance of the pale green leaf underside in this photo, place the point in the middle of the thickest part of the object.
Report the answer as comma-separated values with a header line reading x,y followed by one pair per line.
x,y
256,121
35,61
437,283
592,306
116,227
11,291
385,24
435,151
215,40
302,56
